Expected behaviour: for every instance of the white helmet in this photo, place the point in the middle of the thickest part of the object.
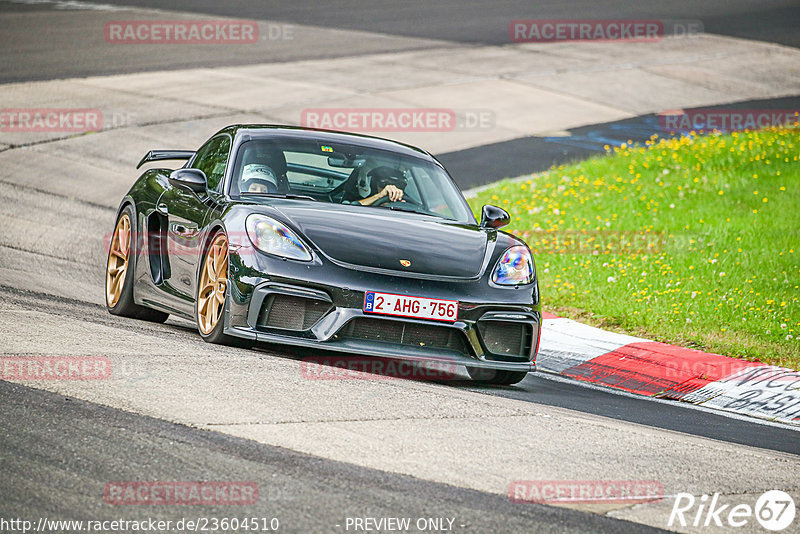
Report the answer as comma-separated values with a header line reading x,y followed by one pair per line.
x,y
259,177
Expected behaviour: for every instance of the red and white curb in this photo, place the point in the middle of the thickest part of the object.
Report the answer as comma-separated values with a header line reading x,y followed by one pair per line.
x,y
640,366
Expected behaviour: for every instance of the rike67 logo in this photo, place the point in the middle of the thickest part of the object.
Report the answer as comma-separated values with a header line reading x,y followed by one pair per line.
x,y
774,510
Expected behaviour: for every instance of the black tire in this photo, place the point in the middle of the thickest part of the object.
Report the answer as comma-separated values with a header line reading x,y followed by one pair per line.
x,y
496,377
216,336
125,305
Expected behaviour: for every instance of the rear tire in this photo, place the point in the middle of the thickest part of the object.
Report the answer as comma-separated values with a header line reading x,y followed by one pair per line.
x,y
120,269
496,377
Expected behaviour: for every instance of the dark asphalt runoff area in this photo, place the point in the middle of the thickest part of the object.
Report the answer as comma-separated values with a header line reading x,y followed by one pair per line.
x,y
484,164
58,453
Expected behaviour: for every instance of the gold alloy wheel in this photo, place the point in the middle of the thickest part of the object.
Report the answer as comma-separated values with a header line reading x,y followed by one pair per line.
x,y
118,255
213,285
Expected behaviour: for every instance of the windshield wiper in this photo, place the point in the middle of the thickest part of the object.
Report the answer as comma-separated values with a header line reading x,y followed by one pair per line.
x,y
423,212
412,210
281,195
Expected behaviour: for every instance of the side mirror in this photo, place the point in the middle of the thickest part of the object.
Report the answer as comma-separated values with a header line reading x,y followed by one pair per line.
x,y
192,179
494,217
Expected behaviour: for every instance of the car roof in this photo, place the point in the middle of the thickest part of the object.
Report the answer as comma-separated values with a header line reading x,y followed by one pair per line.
x,y
271,131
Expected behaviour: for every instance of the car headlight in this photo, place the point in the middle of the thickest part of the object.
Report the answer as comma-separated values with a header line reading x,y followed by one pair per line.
x,y
514,268
272,237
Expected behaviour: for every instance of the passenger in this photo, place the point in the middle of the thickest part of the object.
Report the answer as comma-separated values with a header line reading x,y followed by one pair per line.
x,y
258,178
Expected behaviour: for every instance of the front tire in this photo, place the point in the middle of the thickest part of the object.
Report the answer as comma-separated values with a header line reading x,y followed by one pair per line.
x,y
212,291
120,268
496,377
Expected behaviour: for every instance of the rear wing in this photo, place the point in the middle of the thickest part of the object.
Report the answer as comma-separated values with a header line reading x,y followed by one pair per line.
x,y
158,155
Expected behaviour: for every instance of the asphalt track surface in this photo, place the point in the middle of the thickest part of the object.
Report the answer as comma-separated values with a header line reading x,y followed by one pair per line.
x,y
72,456
544,389
42,48
48,46
486,21
57,451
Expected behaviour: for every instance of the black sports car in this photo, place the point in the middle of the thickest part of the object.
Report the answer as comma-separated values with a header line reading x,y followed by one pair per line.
x,y
328,240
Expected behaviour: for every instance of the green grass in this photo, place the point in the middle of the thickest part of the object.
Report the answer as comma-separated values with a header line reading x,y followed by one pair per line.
x,y
693,241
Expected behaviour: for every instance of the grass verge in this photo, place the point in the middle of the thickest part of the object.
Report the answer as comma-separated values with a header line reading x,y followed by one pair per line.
x,y
693,241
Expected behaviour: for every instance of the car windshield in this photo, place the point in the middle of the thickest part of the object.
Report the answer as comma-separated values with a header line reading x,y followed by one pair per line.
x,y
346,174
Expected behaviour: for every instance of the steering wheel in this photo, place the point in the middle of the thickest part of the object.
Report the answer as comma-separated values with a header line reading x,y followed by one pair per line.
x,y
335,197
385,200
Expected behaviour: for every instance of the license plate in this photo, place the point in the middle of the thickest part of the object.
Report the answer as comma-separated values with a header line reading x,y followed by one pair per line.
x,y
416,307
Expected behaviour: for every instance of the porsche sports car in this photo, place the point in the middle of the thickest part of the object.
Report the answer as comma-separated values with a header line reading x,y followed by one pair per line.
x,y
325,240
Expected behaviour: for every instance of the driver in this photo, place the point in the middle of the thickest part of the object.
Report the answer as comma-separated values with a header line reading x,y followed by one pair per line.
x,y
257,178
381,182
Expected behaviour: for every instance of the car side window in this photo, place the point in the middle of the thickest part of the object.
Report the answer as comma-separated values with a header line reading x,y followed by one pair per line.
x,y
212,159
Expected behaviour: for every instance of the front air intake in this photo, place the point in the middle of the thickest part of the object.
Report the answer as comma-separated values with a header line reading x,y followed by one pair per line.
x,y
506,339
402,333
288,312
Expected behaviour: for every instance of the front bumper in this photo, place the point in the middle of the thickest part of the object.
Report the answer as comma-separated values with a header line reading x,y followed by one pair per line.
x,y
320,306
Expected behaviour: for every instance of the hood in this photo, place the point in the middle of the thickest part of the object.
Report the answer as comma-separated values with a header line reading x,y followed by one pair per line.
x,y
380,238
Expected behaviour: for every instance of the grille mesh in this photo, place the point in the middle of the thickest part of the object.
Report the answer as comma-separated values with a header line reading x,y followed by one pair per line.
x,y
292,313
411,334
506,338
